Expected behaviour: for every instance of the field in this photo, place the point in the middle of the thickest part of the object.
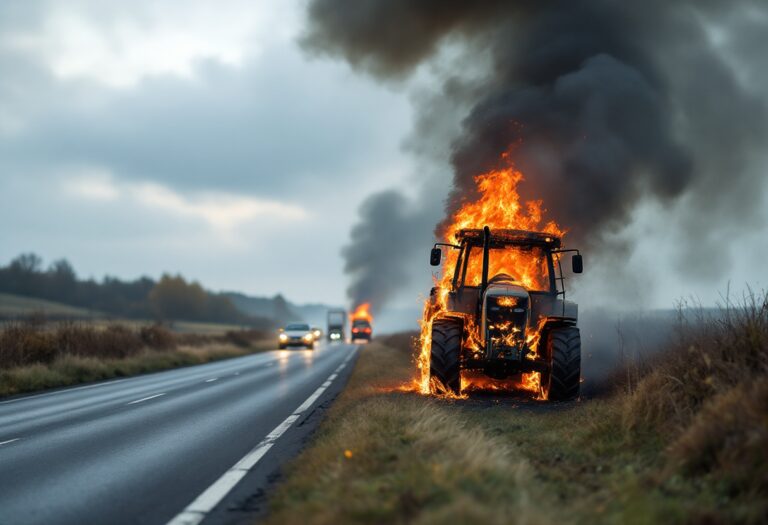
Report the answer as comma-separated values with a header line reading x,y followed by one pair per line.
x,y
680,439
19,307
13,306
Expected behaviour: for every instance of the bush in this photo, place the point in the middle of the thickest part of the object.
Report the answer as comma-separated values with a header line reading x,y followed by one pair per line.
x,y
24,343
157,337
244,338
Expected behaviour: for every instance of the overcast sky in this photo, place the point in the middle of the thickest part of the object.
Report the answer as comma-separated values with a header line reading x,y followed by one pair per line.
x,y
196,137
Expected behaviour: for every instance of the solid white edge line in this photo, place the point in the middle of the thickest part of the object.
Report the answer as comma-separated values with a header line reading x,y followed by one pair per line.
x,y
8,441
146,398
196,511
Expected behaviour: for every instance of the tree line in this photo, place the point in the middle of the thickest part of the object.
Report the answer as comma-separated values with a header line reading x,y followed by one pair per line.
x,y
170,298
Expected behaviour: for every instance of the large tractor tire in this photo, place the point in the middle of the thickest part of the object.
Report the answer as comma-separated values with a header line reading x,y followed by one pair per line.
x,y
445,354
561,382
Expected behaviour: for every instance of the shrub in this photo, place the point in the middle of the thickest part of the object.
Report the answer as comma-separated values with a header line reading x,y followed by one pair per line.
x,y
157,337
244,338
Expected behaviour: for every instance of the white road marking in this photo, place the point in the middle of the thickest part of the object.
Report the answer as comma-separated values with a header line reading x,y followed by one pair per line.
x,y
146,398
205,502
211,380
26,398
8,441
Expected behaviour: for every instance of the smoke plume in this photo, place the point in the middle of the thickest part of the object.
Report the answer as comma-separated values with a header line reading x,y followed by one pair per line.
x,y
602,104
387,232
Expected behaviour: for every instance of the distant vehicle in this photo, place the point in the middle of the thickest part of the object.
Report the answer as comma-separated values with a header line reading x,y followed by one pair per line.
x,y
361,329
337,319
296,334
317,333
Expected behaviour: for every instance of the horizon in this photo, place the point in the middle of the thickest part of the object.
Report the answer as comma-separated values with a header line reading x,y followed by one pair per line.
x,y
244,161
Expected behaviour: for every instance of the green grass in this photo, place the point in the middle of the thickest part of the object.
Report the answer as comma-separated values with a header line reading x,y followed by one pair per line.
x,y
384,455
19,307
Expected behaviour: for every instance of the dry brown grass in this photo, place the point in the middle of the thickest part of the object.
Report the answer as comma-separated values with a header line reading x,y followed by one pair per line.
x,y
728,440
384,457
711,355
684,442
35,355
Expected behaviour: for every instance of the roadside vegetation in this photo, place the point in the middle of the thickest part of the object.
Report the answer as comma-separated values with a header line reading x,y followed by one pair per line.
x,y
679,438
36,355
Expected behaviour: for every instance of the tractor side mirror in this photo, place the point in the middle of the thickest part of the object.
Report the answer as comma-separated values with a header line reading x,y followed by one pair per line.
x,y
435,256
577,263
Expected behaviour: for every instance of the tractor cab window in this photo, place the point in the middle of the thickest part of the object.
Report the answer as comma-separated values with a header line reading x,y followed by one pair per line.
x,y
527,265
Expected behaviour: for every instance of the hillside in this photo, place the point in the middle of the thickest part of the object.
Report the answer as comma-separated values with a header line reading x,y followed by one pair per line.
x,y
12,306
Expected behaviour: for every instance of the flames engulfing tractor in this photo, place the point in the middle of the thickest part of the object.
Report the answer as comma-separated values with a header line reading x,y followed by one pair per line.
x,y
498,326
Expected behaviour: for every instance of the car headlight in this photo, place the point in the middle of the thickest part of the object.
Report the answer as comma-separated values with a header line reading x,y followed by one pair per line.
x,y
308,337
283,337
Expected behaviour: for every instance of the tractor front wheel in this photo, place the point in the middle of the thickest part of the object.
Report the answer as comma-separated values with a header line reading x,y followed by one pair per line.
x,y
445,355
561,382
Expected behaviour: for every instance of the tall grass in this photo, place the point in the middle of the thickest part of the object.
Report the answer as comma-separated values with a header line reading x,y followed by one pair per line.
x,y
35,354
712,353
706,398
684,441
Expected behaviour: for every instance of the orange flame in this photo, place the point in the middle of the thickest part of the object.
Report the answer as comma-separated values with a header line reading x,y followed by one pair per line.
x,y
499,207
363,312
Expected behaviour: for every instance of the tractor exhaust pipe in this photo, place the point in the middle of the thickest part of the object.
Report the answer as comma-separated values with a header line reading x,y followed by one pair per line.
x,y
486,250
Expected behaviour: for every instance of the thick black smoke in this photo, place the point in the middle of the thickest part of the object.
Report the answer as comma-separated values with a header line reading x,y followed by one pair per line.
x,y
380,242
602,103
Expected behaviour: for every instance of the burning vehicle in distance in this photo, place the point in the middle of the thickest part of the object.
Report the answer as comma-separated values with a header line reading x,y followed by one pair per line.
x,y
362,320
337,320
499,326
296,334
361,330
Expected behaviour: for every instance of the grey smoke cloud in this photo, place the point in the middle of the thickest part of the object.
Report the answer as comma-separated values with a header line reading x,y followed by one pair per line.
x,y
603,105
379,245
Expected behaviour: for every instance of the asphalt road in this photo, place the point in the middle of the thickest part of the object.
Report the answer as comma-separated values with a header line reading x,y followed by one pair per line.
x,y
143,449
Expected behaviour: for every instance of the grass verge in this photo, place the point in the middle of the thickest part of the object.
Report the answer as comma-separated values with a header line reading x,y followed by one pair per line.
x,y
684,444
36,356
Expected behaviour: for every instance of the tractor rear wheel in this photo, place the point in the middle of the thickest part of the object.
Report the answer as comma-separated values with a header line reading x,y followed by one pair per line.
x,y
445,354
561,382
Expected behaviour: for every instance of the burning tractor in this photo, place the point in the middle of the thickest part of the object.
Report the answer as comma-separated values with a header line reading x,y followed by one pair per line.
x,y
501,326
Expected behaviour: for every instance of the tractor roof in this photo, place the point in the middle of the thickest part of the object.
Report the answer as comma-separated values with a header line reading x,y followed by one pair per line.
x,y
500,238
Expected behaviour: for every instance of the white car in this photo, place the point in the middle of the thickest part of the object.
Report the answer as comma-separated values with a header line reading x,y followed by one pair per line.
x,y
296,334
